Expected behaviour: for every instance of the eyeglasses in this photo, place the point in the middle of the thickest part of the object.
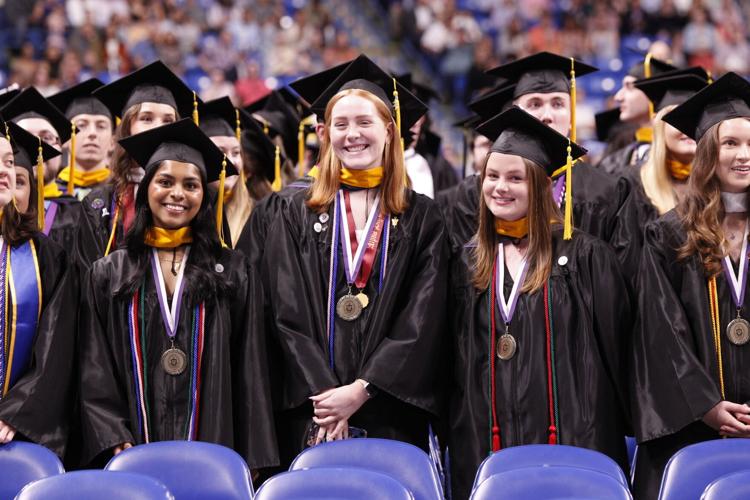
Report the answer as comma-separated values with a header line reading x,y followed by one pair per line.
x,y
50,139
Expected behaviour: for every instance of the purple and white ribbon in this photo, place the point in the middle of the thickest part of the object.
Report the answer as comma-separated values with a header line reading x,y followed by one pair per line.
x,y
558,190
738,282
170,316
352,263
507,308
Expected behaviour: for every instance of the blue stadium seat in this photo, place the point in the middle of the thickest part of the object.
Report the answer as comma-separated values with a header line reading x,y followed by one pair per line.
x,y
734,486
534,455
328,483
22,463
95,485
549,482
404,462
694,467
190,469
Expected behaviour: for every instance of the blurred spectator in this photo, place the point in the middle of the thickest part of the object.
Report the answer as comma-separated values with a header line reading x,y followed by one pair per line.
x,y
699,39
218,86
250,86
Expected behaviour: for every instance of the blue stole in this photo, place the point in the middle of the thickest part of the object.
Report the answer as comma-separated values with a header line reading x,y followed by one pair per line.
x,y
20,315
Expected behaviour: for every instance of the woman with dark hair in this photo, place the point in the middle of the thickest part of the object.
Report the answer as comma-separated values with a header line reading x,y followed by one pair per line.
x,y
172,324
540,322
147,98
690,375
37,294
356,267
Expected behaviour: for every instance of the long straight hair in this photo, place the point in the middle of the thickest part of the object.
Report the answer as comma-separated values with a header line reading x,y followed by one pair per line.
x,y
702,210
656,179
393,187
542,213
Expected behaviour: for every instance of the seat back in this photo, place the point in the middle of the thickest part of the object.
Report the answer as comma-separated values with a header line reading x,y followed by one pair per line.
x,y
550,482
735,486
189,469
333,483
404,462
546,454
95,485
22,463
694,467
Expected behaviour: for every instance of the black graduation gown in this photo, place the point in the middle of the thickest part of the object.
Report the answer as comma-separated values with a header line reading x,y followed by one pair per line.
x,y
397,342
95,226
235,409
443,174
38,405
675,372
591,323
64,229
618,162
597,200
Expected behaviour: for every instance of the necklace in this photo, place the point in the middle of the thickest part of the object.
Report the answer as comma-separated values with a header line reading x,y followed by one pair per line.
x,y
176,264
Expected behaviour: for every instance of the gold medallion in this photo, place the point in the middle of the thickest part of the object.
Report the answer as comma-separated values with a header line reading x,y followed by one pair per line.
x,y
506,347
363,299
348,307
174,361
738,331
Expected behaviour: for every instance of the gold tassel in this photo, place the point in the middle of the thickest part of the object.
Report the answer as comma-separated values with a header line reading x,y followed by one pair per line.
x,y
568,223
7,131
397,111
40,187
220,202
573,95
647,74
276,185
710,77
195,109
301,149
72,166
237,124
118,121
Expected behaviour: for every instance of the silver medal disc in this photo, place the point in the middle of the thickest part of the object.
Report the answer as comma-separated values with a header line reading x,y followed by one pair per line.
x,y
348,307
506,347
174,361
738,331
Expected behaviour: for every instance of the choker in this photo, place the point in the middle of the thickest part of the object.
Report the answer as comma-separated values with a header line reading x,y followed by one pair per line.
x,y
158,237
370,178
515,229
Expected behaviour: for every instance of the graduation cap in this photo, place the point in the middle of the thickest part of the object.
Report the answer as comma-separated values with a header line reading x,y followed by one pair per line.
x,y
543,72
31,104
726,98
364,74
220,117
255,142
309,87
78,100
606,121
516,132
650,66
674,87
468,123
8,93
152,83
423,91
493,102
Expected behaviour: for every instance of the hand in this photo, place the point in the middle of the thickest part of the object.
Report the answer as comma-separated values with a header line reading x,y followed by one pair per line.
x,y
727,418
7,432
120,448
336,431
338,404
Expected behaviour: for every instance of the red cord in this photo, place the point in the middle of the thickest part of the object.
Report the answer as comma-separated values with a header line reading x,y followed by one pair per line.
x,y
493,348
552,429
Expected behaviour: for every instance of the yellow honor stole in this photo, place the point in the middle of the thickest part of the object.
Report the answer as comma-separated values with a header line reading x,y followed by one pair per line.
x,y
512,228
644,134
82,178
52,190
370,178
159,237
678,170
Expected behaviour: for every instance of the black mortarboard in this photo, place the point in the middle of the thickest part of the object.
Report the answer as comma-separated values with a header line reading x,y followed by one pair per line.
x,y
26,147
493,102
181,141
78,100
657,66
726,98
674,87
31,104
219,118
152,83
605,122
364,74
281,119
309,87
515,132
470,122
423,91
543,72
255,142
8,93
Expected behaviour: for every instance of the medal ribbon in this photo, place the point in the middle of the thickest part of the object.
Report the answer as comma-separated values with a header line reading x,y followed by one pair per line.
x,y
558,190
171,317
359,259
508,308
738,283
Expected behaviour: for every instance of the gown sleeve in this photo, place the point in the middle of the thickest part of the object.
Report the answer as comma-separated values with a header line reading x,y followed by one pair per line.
x,y
672,388
39,403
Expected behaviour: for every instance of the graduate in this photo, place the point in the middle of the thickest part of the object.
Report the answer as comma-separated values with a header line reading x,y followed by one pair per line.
x,y
540,321
37,295
636,111
147,98
662,180
356,267
172,324
91,142
691,360
59,214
